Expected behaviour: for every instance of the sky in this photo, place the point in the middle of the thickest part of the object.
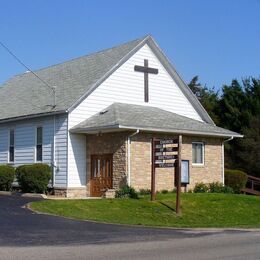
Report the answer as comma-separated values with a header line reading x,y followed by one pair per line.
x,y
218,40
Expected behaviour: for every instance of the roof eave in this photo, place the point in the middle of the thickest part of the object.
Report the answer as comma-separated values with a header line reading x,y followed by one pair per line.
x,y
179,131
11,119
93,130
114,128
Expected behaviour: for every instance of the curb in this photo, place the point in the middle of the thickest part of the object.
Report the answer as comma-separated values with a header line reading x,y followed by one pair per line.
x,y
6,193
25,195
34,195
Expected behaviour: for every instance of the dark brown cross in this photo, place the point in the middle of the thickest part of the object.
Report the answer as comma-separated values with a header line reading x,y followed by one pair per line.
x,y
146,70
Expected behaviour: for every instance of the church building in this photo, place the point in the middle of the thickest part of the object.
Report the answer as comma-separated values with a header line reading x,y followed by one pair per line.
x,y
96,121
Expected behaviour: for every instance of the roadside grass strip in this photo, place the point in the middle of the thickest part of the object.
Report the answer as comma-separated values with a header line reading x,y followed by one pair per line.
x,y
198,210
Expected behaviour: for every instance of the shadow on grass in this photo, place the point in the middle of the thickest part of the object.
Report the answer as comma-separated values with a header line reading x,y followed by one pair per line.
x,y
167,206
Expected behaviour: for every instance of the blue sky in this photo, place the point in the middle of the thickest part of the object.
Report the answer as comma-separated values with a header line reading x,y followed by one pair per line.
x,y
217,40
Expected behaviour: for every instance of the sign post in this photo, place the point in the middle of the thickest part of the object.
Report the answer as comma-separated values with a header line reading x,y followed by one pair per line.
x,y
178,175
166,153
153,172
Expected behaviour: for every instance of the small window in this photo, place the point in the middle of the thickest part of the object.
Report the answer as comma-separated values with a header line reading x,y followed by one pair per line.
x,y
11,146
39,144
198,153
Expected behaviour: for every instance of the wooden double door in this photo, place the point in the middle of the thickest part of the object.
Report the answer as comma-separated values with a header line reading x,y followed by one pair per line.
x,y
101,177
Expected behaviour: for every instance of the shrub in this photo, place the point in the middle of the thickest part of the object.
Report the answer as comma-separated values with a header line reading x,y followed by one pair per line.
x,y
164,191
217,187
235,179
144,191
6,177
200,188
126,192
33,177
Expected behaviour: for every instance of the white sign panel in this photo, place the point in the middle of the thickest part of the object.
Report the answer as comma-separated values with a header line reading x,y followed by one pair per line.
x,y
185,172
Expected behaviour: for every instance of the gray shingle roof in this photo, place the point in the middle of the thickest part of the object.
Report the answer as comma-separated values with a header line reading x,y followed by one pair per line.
x,y
127,116
24,94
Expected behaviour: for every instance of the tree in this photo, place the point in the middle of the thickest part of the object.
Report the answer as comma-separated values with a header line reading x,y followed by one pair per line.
x,y
207,97
237,109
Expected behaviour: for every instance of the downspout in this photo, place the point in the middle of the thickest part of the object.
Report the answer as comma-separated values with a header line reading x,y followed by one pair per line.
x,y
129,156
223,159
53,153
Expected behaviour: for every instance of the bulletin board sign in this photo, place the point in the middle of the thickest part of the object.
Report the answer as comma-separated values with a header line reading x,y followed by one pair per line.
x,y
185,172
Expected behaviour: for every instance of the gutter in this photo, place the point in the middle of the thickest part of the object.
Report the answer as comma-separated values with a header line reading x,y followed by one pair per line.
x,y
129,156
54,151
94,130
223,158
188,132
6,120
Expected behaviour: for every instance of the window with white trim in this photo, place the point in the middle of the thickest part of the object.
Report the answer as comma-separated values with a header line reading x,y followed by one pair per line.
x,y
39,144
198,153
11,146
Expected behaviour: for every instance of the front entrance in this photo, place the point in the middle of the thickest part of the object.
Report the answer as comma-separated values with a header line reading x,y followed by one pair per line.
x,y
101,177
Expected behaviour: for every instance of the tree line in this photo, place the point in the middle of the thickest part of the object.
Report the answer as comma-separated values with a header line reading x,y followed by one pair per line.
x,y
237,108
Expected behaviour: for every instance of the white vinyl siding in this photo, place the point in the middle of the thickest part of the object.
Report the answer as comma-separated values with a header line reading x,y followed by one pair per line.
x,y
26,140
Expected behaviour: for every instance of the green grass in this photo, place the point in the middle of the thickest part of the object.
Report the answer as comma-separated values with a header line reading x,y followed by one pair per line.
x,y
198,210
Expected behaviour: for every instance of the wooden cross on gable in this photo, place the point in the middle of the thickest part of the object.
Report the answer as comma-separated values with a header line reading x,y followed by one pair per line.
x,y
146,70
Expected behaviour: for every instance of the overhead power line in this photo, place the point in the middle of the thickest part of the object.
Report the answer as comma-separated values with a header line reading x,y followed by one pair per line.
x,y
24,65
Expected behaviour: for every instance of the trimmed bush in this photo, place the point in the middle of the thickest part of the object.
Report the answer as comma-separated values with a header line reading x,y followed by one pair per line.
x,y
217,187
126,192
34,177
144,191
164,191
6,177
235,179
201,188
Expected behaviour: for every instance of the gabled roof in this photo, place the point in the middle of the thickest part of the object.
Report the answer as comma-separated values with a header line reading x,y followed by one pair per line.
x,y
120,116
25,95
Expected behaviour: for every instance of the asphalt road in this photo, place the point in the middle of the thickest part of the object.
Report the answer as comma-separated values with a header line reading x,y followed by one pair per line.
x,y
26,235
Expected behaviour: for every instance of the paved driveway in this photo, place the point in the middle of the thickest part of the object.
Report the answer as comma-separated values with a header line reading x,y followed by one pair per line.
x,y
26,235
20,227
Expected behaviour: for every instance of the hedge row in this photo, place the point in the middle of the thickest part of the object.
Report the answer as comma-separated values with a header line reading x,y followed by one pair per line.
x,y
6,177
31,178
213,187
235,180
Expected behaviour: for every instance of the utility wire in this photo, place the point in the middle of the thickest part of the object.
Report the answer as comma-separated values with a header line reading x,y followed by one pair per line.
x,y
17,59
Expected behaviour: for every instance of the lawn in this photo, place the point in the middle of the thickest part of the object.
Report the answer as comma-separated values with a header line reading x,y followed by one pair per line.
x,y
198,210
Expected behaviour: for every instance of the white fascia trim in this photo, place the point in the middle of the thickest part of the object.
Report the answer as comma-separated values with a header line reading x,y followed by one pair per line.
x,y
177,131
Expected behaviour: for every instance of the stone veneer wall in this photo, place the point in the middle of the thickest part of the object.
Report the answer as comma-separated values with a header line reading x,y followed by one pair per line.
x,y
211,171
112,143
70,192
116,143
